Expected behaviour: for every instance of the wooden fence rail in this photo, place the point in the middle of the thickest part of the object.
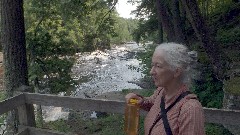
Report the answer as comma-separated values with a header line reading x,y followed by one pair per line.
x,y
219,116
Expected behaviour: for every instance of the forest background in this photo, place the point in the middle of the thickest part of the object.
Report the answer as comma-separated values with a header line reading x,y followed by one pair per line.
x,y
53,31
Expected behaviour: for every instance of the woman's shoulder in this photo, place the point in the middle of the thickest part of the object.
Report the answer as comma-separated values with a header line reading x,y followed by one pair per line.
x,y
191,103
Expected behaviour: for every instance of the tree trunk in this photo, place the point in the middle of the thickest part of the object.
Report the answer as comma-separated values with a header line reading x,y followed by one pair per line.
x,y
219,60
160,32
178,25
165,19
14,50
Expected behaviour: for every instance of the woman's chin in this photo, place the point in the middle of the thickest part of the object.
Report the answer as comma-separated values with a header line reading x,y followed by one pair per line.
x,y
157,84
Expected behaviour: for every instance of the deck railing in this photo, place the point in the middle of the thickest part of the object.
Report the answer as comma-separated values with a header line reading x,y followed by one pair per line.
x,y
22,102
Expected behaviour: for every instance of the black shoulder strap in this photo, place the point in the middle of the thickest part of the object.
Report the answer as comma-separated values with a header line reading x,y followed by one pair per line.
x,y
164,116
177,100
164,113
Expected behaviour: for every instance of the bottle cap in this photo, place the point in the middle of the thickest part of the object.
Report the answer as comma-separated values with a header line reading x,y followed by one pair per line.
x,y
133,101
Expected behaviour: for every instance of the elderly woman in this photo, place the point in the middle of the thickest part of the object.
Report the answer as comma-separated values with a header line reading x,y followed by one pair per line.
x,y
172,109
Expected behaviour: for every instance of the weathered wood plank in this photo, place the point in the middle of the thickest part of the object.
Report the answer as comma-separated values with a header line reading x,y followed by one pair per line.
x,y
23,131
26,115
11,103
76,103
222,116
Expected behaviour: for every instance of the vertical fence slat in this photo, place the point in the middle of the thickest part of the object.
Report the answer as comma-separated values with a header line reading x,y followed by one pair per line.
x,y
26,115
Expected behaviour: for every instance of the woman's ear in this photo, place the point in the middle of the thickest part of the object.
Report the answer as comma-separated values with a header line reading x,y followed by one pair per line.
x,y
178,72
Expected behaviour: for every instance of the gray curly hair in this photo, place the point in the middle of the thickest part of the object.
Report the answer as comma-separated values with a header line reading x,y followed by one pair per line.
x,y
179,56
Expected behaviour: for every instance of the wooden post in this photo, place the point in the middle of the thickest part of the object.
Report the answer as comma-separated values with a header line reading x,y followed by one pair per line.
x,y
25,113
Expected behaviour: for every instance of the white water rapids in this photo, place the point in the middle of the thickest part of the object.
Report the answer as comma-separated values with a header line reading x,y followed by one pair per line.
x,y
100,72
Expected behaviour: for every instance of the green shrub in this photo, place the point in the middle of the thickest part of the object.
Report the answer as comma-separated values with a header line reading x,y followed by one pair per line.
x,y
2,95
232,86
215,129
229,38
209,90
59,125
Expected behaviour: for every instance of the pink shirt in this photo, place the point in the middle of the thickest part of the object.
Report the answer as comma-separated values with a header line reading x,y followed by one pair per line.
x,y
185,118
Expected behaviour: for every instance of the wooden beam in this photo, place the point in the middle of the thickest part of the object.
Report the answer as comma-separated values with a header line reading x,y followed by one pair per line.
x,y
12,103
23,131
76,103
222,116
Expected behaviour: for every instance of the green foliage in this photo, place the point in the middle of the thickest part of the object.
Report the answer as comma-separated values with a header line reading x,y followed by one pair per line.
x,y
209,90
232,86
147,30
2,95
146,58
59,125
207,87
210,7
2,119
229,37
224,24
215,129
124,29
227,16
50,48
50,60
109,124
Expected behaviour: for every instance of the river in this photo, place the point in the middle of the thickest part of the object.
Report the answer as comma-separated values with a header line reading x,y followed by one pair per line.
x,y
99,72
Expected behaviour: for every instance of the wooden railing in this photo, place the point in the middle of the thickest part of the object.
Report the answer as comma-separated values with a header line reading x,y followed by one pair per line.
x,y
22,101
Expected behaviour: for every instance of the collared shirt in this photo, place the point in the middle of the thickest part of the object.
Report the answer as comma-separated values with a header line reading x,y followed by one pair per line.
x,y
185,118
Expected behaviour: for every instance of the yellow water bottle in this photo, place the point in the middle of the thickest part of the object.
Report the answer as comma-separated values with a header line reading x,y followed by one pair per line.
x,y
131,117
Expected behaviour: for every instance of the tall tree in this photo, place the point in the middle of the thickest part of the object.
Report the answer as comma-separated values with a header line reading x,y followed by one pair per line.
x,y
218,58
14,52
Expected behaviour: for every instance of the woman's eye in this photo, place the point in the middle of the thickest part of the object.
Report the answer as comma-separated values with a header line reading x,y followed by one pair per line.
x,y
158,66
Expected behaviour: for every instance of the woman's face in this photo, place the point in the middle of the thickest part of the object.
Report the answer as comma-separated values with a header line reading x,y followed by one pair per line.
x,y
161,71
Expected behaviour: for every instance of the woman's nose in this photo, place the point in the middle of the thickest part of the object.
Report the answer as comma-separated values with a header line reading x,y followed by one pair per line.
x,y
152,71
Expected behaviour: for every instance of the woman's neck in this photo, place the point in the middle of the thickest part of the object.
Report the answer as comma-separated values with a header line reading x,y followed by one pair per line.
x,y
172,90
